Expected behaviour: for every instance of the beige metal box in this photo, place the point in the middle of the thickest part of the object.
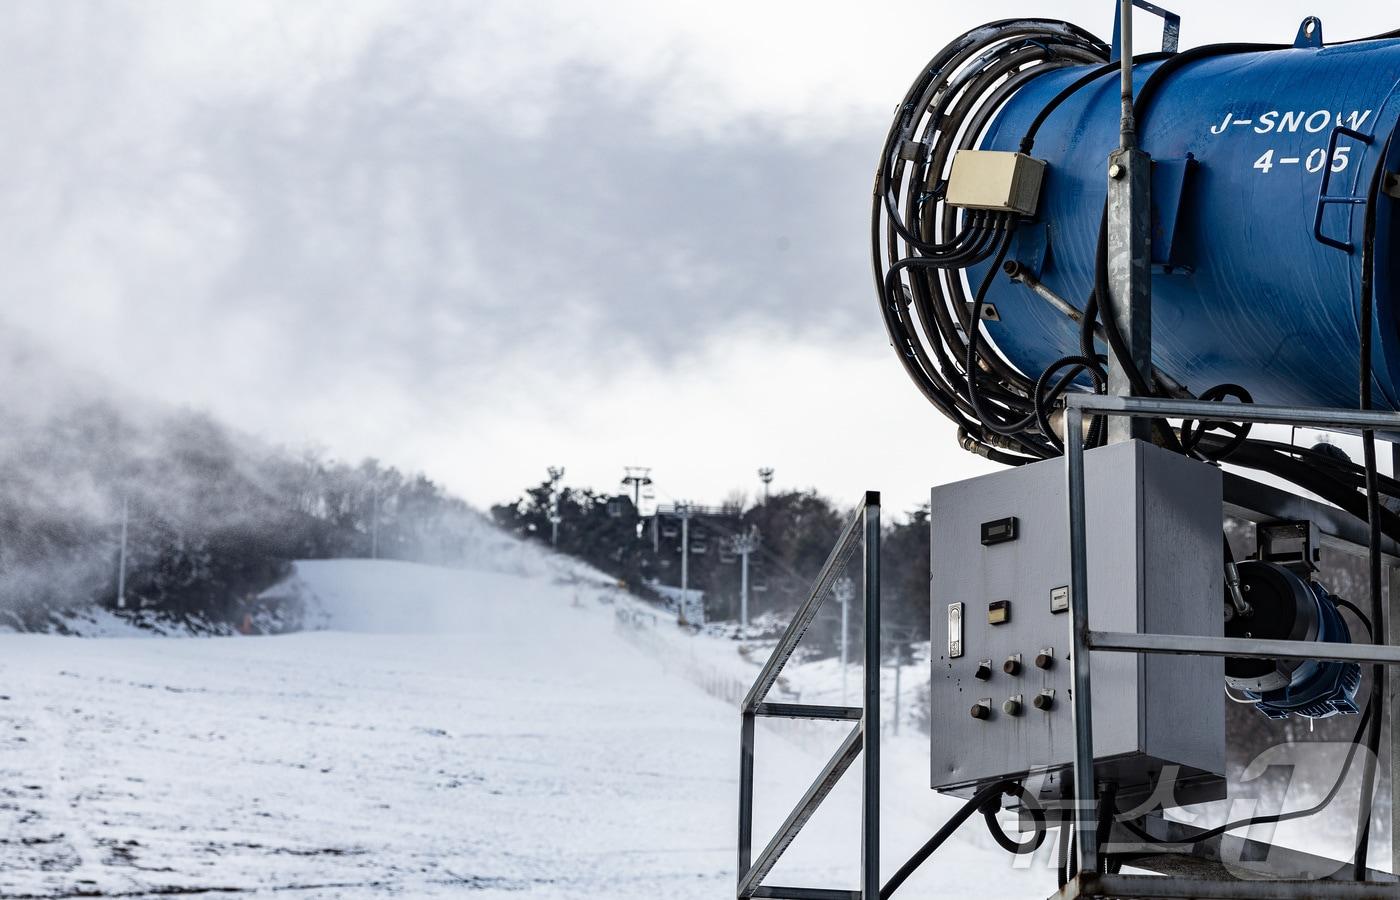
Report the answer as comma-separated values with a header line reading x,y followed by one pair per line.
x,y
996,180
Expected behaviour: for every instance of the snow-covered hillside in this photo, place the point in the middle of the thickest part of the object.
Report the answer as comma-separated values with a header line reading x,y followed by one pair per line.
x,y
453,732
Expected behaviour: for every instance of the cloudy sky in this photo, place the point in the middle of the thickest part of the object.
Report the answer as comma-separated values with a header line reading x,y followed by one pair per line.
x,y
480,238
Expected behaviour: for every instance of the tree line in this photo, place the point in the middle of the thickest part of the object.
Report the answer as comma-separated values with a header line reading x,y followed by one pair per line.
x,y
213,518
797,530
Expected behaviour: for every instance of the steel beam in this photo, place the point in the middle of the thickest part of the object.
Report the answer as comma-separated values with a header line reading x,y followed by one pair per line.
x,y
1153,407
788,831
746,745
808,711
1392,625
805,613
1085,815
796,893
1156,887
1245,648
1129,275
870,720
1257,502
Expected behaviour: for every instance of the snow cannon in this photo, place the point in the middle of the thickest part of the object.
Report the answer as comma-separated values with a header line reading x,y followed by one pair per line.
x,y
1266,164
1107,267
1273,185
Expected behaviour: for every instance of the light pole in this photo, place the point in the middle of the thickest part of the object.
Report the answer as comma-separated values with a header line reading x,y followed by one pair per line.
x,y
683,510
374,527
555,473
743,545
121,559
845,589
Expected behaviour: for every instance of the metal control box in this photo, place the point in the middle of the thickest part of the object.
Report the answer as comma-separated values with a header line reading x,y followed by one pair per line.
x,y
1000,693
995,180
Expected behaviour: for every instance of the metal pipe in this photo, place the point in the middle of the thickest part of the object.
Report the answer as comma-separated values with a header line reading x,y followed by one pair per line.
x,y
870,721
809,711
1155,887
1154,407
1232,580
1085,808
746,744
1018,273
1392,626
1244,648
1127,126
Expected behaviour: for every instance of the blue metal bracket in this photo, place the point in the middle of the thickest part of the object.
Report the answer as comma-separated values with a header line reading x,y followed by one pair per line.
x,y
1309,34
1171,28
1169,180
1323,201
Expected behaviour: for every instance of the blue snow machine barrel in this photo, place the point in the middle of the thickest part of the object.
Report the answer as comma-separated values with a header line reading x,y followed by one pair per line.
x,y
1273,198
1263,161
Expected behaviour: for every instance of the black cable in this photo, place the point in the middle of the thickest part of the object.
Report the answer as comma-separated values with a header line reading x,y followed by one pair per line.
x,y
1044,398
1274,818
978,799
1191,434
1004,840
1355,610
948,106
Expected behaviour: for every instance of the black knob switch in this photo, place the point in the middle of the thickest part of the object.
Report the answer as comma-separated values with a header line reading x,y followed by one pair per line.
x,y
984,670
1012,666
1012,706
1045,700
981,711
1044,660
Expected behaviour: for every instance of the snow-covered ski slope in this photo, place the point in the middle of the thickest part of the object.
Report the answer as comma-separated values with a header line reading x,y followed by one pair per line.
x,y
451,733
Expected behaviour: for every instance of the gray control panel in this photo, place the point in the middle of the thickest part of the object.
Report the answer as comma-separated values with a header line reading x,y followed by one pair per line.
x,y
1001,687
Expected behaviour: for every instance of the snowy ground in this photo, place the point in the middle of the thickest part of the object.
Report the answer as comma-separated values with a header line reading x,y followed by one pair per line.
x,y
456,733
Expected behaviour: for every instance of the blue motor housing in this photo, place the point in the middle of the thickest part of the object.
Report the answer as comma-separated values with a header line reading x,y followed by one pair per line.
x,y
1261,163
1287,606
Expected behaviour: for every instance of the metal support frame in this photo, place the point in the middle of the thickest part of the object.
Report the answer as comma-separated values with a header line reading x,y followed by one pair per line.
x,y
1083,640
863,530
1129,225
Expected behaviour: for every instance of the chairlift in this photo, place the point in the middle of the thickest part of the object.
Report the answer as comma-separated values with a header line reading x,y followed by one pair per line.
x,y
727,557
698,548
670,532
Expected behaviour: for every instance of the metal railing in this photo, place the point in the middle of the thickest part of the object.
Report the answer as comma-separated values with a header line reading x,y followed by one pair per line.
x,y
1084,639
863,530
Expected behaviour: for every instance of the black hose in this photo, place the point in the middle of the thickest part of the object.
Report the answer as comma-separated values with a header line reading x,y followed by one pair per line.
x,y
1274,818
1004,840
1355,610
920,856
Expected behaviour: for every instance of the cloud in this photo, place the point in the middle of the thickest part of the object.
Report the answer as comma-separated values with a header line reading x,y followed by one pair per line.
x,y
386,227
